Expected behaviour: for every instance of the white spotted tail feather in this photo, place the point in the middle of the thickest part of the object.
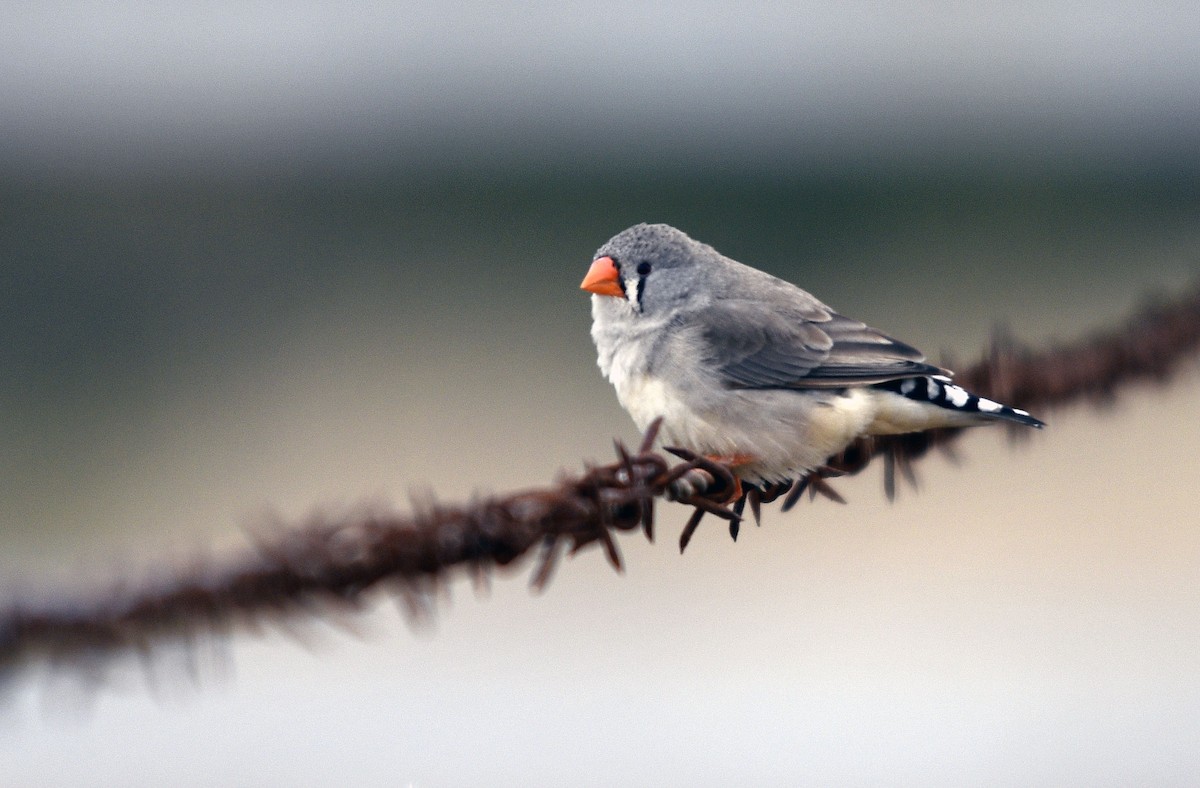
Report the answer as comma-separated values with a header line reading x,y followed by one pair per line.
x,y
937,391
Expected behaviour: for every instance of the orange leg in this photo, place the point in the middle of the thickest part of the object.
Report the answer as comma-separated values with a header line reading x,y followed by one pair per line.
x,y
733,462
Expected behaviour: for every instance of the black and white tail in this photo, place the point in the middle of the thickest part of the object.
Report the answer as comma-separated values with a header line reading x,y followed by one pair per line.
x,y
938,390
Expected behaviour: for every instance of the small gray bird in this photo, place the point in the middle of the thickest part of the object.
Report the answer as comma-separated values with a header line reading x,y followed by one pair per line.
x,y
753,371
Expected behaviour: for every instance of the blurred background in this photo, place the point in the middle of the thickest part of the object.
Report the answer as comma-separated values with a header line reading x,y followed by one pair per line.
x,y
264,259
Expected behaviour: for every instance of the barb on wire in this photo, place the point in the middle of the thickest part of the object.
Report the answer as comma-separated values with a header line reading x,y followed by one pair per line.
x,y
327,566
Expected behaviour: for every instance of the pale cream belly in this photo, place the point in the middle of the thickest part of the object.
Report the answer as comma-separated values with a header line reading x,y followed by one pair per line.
x,y
788,432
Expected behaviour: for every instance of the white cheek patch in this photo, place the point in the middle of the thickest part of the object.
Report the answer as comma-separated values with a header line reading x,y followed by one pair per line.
x,y
632,286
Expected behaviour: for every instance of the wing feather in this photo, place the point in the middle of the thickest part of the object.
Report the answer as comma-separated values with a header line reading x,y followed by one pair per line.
x,y
802,348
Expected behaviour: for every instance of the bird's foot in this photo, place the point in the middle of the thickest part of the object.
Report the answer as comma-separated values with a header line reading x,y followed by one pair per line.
x,y
708,483
709,475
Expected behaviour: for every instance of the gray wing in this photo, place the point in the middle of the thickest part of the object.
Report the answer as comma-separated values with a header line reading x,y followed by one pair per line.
x,y
810,348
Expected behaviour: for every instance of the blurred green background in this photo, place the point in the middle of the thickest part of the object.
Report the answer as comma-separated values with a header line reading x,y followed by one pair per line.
x,y
260,259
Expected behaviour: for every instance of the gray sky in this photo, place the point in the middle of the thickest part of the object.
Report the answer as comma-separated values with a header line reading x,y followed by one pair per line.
x,y
110,84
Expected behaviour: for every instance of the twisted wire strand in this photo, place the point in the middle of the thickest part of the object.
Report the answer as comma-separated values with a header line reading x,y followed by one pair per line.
x,y
328,566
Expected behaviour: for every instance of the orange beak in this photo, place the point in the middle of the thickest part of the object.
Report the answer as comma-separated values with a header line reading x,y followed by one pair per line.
x,y
603,278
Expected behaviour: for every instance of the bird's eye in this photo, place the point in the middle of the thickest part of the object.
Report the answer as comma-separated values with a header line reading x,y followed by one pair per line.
x,y
643,268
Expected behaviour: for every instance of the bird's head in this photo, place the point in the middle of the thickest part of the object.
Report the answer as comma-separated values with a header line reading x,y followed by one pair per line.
x,y
645,271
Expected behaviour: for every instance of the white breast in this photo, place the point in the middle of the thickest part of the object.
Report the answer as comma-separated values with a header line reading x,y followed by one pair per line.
x,y
646,398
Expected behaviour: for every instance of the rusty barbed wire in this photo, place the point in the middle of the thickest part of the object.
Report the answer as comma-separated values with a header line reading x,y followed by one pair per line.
x,y
1149,347
328,566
